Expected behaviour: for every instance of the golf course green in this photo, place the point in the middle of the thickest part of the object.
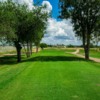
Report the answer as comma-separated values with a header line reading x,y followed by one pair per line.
x,y
51,74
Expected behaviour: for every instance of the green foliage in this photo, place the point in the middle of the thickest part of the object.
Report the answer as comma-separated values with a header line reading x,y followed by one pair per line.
x,y
40,25
96,34
70,45
84,15
8,20
43,45
17,21
20,25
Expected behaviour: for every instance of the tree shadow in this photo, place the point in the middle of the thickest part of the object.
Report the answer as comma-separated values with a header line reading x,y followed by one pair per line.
x,y
55,58
8,60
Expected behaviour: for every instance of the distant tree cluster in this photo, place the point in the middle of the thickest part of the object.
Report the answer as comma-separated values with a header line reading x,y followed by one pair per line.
x,y
21,26
43,45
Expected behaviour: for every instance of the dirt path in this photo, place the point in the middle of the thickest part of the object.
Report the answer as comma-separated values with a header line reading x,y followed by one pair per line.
x,y
82,56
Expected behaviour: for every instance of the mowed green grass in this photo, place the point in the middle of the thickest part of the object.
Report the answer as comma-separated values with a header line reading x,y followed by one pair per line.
x,y
93,53
50,75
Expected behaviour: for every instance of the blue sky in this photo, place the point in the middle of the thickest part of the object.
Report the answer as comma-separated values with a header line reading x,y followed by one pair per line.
x,y
54,3
58,31
55,10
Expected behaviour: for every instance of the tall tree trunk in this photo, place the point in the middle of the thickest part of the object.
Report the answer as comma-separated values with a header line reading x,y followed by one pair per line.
x,y
18,49
37,47
28,50
18,55
86,45
86,49
31,48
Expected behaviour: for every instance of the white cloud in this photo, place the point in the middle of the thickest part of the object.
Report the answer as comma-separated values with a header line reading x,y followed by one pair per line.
x,y
48,6
60,32
29,3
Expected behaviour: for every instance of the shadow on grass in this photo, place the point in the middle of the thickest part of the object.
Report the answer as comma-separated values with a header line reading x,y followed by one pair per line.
x,y
55,58
10,60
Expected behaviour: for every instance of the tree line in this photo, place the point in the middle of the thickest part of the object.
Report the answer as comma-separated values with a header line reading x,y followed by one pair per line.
x,y
21,26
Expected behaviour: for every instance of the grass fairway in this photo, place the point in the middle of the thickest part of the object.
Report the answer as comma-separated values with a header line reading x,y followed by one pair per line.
x,y
93,53
50,75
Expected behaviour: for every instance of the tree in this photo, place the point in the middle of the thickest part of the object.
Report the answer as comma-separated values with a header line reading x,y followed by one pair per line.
x,y
40,26
26,32
84,15
43,45
11,17
7,20
95,38
21,14
96,34
34,28
20,25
